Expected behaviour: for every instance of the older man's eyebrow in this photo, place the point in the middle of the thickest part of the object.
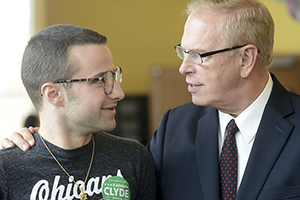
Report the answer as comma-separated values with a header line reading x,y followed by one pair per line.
x,y
196,50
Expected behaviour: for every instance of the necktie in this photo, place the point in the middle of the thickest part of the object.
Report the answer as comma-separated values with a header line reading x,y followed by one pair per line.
x,y
229,163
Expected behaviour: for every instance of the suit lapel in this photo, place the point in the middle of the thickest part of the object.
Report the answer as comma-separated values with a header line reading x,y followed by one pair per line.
x,y
271,137
208,155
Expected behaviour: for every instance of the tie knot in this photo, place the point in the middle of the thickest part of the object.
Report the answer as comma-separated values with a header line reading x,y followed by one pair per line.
x,y
232,128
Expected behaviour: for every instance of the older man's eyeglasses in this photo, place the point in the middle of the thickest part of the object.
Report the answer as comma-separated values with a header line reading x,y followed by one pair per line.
x,y
107,79
197,57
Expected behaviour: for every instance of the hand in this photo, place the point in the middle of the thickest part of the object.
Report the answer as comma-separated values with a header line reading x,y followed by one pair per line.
x,y
23,139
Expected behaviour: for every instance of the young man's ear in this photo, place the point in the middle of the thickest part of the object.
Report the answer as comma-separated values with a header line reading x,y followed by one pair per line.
x,y
52,93
249,56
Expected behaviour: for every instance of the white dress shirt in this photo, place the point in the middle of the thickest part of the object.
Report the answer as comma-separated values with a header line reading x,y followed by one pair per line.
x,y
247,122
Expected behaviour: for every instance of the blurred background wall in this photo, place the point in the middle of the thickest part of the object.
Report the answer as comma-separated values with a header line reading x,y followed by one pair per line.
x,y
141,35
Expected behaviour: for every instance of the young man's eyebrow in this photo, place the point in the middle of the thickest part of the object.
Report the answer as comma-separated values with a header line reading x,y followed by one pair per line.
x,y
100,74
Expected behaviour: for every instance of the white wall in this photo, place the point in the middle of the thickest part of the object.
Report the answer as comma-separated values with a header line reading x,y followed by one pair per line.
x,y
15,105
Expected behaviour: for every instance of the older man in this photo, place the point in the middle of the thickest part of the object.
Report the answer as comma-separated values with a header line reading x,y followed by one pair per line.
x,y
226,49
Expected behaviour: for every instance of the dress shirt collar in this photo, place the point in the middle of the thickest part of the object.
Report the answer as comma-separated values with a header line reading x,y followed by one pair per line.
x,y
249,120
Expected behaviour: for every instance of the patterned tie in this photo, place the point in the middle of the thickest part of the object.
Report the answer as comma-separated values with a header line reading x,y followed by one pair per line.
x,y
229,163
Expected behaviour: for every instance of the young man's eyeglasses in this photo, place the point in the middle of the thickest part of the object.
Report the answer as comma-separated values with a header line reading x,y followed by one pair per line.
x,y
197,57
108,79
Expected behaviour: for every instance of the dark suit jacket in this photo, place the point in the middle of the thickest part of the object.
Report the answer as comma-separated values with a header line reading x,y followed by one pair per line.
x,y
186,154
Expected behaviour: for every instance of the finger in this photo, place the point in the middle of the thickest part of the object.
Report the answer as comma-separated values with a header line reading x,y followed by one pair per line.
x,y
27,134
33,130
18,140
5,143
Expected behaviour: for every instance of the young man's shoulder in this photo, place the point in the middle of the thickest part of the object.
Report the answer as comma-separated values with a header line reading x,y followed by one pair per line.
x,y
14,157
104,136
11,152
109,142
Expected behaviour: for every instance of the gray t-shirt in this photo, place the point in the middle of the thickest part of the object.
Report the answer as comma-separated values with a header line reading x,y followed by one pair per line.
x,y
36,175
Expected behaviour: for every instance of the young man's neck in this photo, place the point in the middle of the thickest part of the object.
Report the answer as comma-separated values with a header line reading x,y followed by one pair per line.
x,y
64,139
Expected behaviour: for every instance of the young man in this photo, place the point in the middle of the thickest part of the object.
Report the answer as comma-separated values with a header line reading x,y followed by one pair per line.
x,y
68,73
